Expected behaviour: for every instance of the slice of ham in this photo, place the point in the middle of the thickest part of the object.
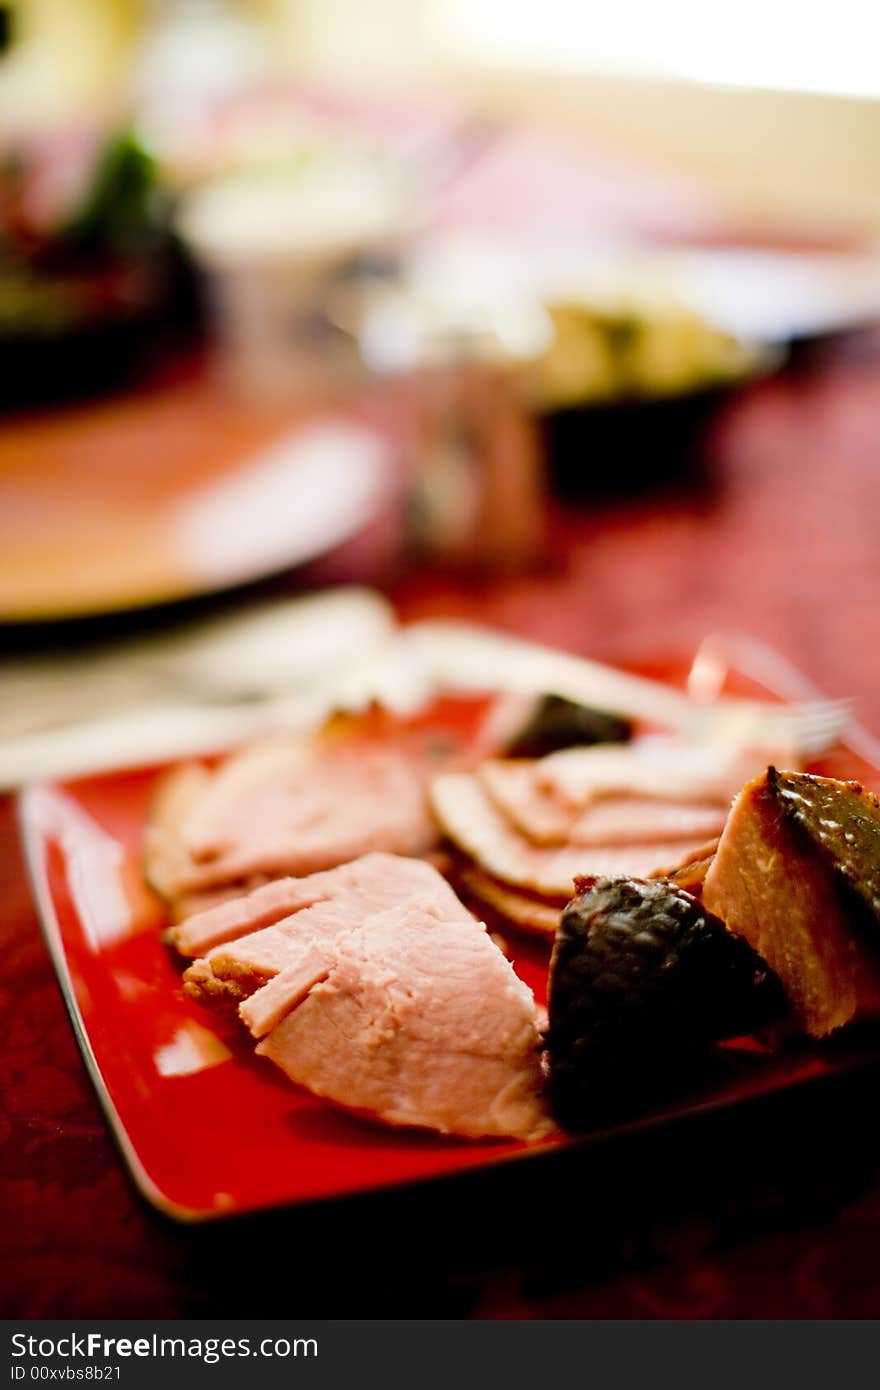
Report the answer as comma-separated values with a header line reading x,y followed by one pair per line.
x,y
235,970
165,857
657,766
475,825
250,912
290,808
262,934
309,963
373,880
192,904
546,818
537,915
415,1019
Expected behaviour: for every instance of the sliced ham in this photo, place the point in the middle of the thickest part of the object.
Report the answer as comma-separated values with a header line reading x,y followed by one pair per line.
x,y
250,912
538,915
309,963
290,808
313,909
660,767
374,880
165,858
235,970
475,825
545,817
193,904
415,1019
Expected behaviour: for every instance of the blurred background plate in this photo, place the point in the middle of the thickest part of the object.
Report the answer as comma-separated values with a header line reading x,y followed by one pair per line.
x,y
195,495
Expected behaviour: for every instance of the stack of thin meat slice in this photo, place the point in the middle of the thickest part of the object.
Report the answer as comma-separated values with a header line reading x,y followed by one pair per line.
x,y
373,986
282,806
524,829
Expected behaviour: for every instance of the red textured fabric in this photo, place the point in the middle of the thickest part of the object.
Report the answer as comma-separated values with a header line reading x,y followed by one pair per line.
x,y
784,544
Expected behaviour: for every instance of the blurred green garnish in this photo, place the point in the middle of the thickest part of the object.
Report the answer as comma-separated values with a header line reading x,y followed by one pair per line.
x,y
119,212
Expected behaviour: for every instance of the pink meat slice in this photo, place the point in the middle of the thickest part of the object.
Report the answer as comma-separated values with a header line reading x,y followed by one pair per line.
x,y
193,904
329,903
296,809
545,817
309,962
374,879
662,767
414,1019
476,826
237,969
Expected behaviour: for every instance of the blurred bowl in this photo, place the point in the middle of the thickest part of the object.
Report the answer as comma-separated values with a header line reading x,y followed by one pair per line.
x,y
623,397
628,446
66,335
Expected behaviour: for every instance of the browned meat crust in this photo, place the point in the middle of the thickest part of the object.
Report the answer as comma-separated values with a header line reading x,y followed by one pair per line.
x,y
777,879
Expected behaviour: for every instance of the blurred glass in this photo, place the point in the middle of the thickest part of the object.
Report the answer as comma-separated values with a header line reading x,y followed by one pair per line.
x,y
276,250
475,464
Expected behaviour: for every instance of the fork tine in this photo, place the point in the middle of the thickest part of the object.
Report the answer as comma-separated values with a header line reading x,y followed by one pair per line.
x,y
809,727
819,724
825,712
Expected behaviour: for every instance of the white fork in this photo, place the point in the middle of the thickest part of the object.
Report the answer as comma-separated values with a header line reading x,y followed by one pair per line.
x,y
403,674
818,720
459,655
809,727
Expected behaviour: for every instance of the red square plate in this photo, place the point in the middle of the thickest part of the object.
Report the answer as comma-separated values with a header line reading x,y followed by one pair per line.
x,y
205,1126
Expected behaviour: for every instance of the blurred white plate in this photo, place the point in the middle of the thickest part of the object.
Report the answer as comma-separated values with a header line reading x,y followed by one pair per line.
x,y
767,296
127,504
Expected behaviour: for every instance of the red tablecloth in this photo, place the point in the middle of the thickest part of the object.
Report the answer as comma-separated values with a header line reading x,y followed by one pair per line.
x,y
783,542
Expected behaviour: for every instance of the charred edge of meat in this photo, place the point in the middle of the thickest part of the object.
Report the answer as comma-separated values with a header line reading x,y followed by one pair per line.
x,y
690,875
841,821
643,983
582,884
459,864
559,723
